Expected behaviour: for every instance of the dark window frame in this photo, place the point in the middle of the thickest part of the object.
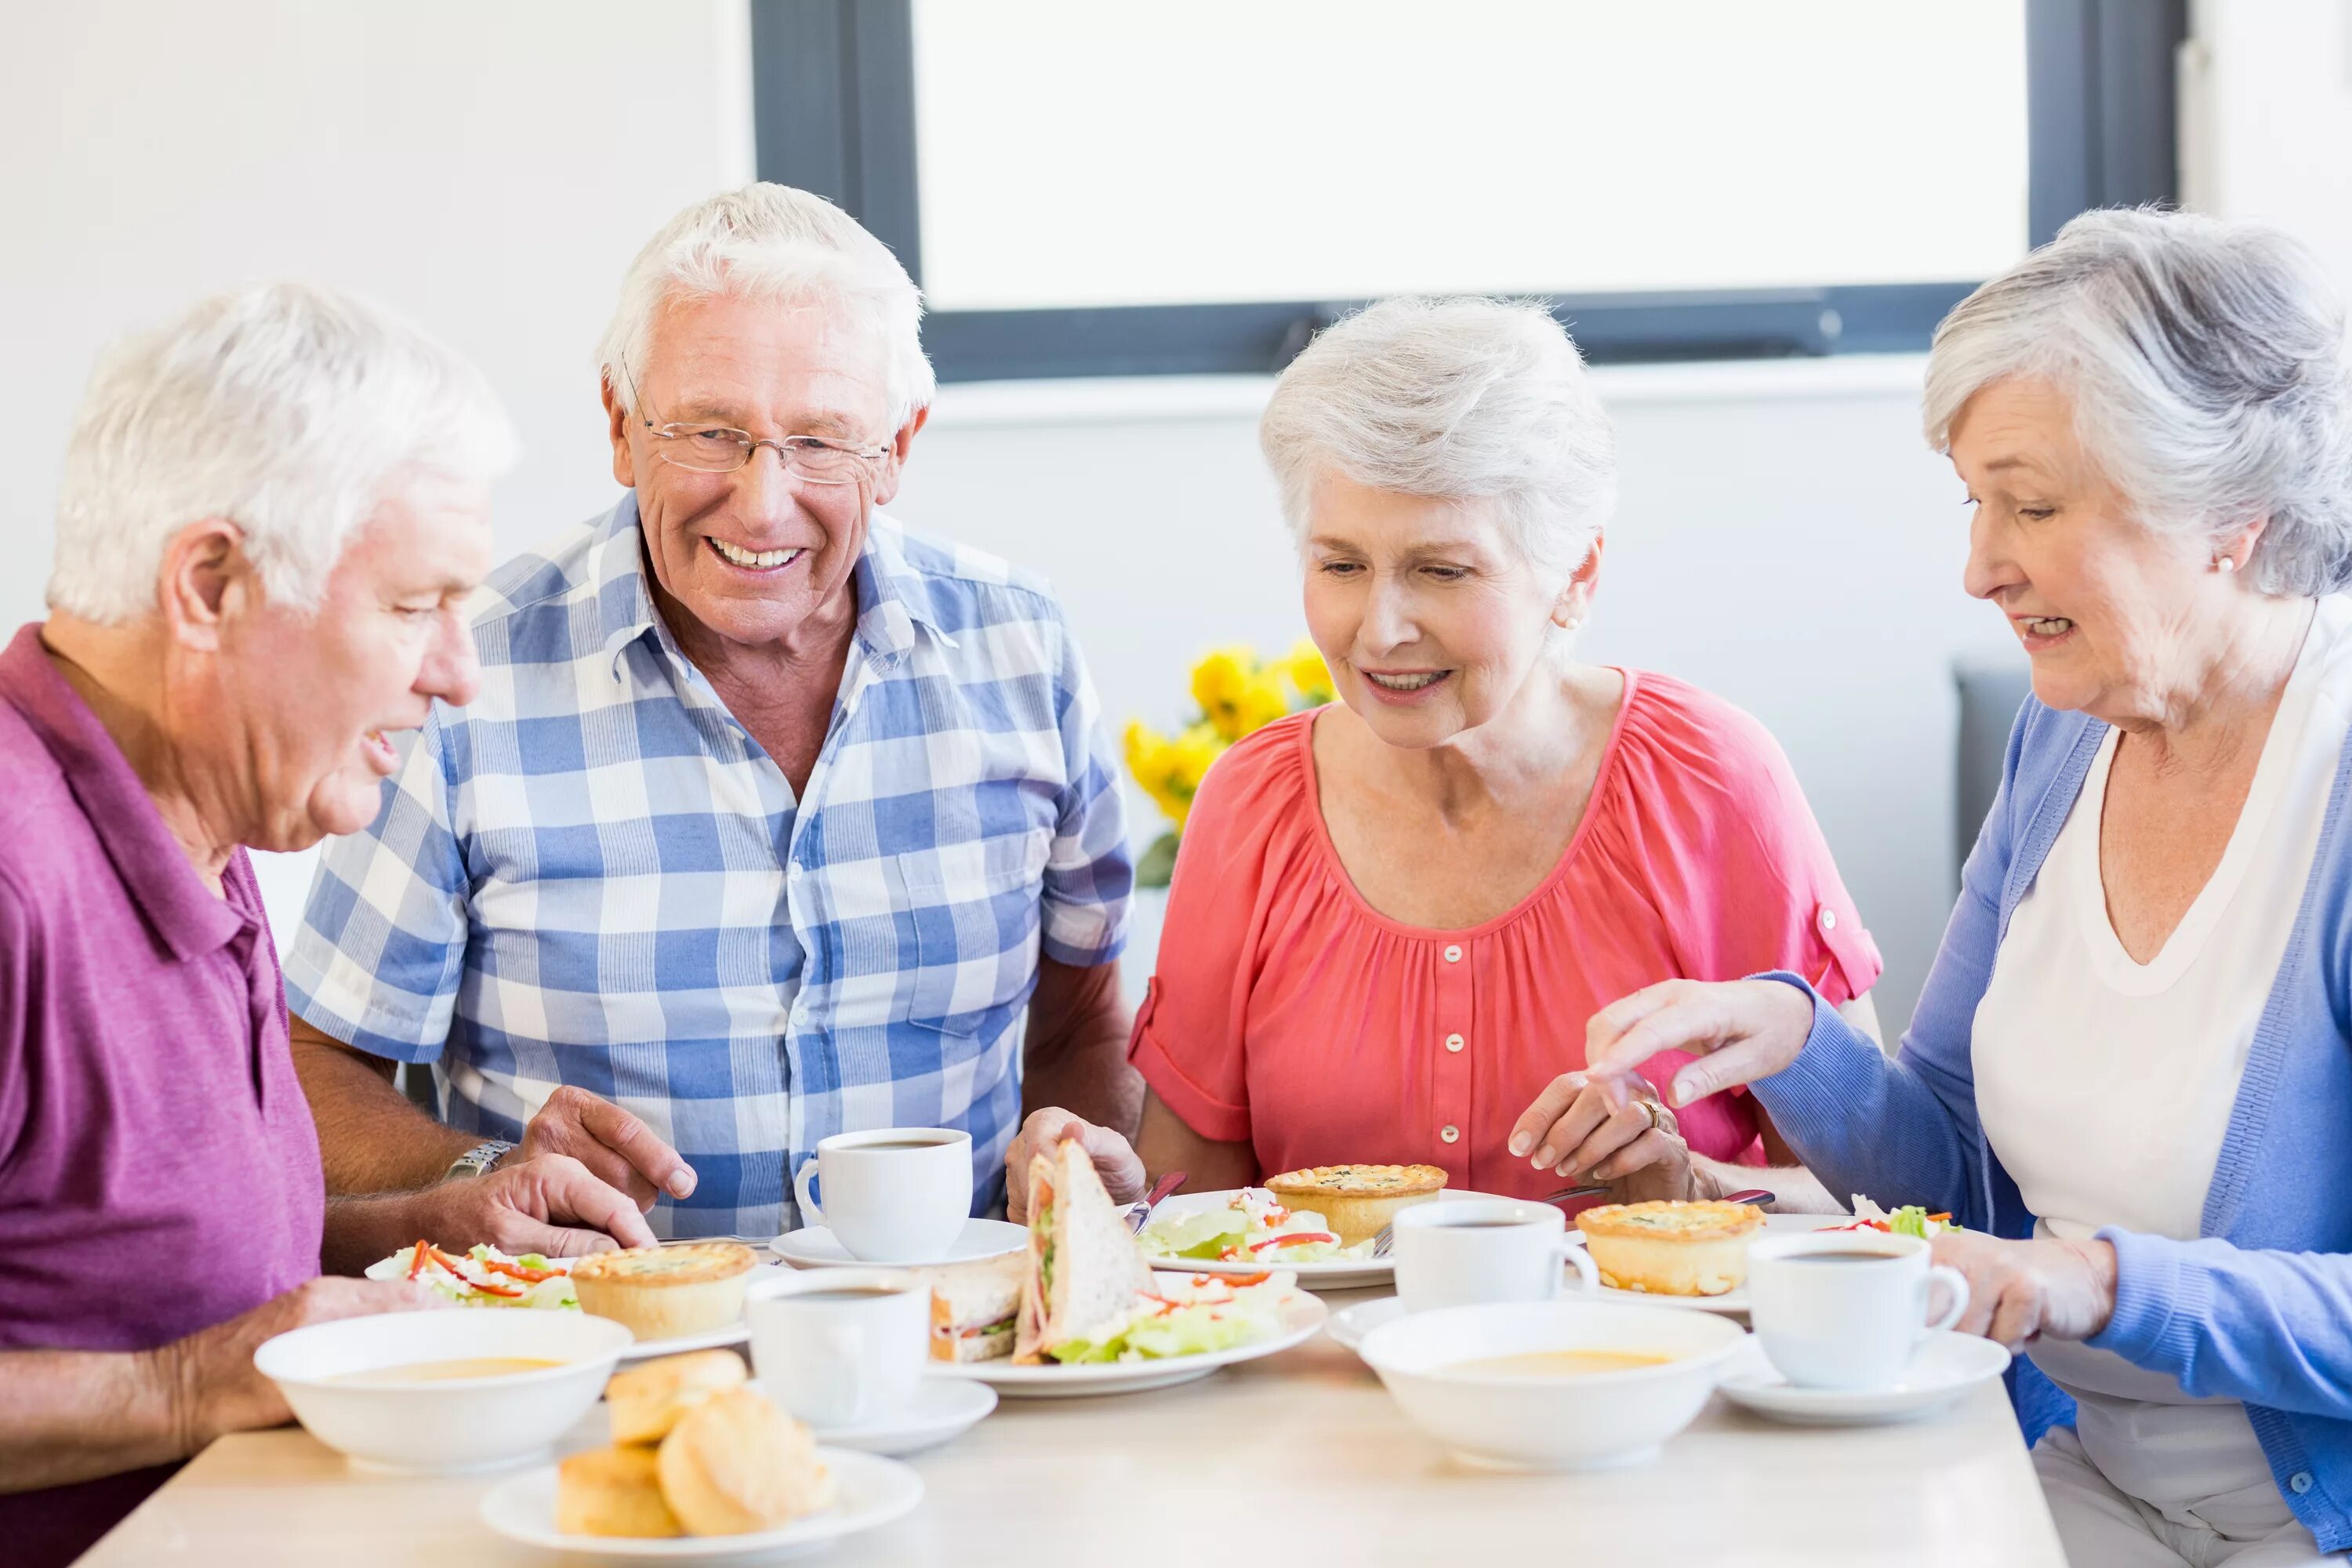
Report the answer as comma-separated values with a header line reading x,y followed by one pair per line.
x,y
834,97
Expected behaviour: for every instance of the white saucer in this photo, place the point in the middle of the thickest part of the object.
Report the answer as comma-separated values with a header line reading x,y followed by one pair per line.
x,y
1346,1330
872,1492
814,1247
942,1407
1945,1366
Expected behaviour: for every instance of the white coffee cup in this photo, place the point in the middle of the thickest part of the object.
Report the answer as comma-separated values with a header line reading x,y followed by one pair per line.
x,y
839,1347
896,1194
1846,1309
1475,1250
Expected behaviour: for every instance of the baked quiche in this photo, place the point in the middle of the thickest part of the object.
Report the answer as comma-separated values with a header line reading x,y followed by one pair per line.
x,y
661,1292
1355,1201
1672,1249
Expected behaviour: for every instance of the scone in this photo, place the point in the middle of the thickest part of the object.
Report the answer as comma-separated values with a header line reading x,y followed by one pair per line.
x,y
1355,1201
1672,1249
647,1400
735,1463
661,1292
612,1491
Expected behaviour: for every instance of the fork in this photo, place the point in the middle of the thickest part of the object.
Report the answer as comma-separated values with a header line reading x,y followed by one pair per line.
x,y
1385,1238
1141,1214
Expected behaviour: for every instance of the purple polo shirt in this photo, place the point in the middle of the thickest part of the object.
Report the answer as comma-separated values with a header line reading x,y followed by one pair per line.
x,y
158,1168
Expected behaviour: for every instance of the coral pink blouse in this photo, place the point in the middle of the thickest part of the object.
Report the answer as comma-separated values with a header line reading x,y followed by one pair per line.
x,y
1288,1013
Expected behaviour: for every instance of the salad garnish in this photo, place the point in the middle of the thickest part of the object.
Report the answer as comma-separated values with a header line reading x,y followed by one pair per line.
x,y
1253,1225
1911,1219
482,1277
1209,1312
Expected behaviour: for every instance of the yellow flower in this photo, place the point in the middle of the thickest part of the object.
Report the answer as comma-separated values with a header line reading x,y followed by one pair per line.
x,y
1169,771
1308,673
1220,684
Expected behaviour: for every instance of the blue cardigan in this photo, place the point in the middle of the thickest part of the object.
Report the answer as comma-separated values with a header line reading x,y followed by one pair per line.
x,y
2259,1308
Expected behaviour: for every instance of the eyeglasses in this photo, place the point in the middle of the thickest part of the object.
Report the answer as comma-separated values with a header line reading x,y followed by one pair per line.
x,y
720,449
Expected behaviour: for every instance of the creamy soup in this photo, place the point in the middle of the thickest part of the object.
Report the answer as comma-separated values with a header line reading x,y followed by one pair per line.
x,y
450,1371
1559,1363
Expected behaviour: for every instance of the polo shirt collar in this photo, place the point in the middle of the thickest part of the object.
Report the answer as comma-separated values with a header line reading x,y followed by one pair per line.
x,y
188,917
893,598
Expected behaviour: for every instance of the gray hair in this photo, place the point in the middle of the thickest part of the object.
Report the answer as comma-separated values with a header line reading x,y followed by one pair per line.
x,y
1458,399
771,242
2206,361
292,411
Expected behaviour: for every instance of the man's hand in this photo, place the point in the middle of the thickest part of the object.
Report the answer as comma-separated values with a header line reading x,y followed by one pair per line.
x,y
2019,1290
618,1150
1115,1159
549,1203
210,1379
1576,1128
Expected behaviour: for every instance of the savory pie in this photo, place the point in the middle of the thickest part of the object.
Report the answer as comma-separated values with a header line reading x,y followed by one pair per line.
x,y
661,1292
1356,1201
1670,1249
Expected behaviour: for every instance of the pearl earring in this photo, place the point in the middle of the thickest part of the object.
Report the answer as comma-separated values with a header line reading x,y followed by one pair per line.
x,y
2225,563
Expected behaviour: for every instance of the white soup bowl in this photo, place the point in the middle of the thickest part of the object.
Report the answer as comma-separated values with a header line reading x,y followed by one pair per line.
x,y
1589,1421
469,1424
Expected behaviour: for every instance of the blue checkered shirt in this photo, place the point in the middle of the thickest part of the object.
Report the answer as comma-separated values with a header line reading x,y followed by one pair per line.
x,y
593,875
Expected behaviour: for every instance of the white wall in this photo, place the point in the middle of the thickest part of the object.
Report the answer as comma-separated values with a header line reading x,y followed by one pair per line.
x,y
2266,120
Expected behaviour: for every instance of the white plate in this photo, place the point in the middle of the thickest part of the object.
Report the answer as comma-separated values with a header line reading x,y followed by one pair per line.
x,y
1348,1328
872,1492
1301,1319
1324,1274
735,1334
1945,1367
1731,1300
814,1247
941,1408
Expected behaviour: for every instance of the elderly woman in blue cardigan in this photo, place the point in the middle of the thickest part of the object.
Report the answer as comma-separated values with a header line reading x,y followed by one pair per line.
x,y
2130,1072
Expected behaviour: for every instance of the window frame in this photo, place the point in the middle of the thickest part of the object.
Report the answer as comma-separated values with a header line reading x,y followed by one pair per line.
x,y
833,103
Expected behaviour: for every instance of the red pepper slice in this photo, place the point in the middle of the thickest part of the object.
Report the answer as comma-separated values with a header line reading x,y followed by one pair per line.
x,y
1296,1238
416,1264
517,1271
1238,1280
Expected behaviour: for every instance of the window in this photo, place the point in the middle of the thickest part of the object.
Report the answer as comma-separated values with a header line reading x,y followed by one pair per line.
x,y
1085,187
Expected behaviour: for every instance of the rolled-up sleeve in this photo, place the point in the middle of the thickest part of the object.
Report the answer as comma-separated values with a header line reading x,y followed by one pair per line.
x,y
1089,876
382,946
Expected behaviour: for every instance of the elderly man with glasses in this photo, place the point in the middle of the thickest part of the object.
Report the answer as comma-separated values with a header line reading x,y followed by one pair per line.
x,y
772,817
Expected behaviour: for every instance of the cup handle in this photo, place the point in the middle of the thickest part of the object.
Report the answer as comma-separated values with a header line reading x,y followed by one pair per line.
x,y
804,1194
1587,1274
847,1343
1957,1284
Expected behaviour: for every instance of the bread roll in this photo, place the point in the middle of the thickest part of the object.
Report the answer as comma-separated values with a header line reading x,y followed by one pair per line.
x,y
735,1463
612,1491
647,1401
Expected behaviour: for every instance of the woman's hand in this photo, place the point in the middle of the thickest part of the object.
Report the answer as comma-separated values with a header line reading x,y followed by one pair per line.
x,y
1116,1160
1621,1136
2022,1289
1745,1029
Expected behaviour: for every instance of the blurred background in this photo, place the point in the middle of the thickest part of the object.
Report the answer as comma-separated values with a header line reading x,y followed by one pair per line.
x,y
1127,216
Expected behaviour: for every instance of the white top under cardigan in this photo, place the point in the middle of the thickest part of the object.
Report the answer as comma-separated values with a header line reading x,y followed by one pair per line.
x,y
2070,1021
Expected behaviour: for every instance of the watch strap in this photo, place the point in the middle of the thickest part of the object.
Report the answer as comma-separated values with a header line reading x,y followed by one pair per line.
x,y
477,1160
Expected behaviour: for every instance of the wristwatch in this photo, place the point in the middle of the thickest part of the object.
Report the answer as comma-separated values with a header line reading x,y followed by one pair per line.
x,y
477,1160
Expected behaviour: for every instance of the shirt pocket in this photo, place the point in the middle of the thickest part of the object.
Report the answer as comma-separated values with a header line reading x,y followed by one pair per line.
x,y
974,910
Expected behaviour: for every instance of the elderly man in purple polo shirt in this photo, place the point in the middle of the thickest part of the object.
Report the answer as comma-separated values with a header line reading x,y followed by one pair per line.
x,y
270,514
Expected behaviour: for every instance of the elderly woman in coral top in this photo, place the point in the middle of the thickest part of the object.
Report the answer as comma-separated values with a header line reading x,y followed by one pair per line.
x,y
1392,916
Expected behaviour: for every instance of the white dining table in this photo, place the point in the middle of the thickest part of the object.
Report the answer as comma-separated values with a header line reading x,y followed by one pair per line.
x,y
1298,1458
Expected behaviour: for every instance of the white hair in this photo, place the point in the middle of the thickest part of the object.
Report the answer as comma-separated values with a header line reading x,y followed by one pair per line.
x,y
2206,362
292,411
771,242
1466,399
